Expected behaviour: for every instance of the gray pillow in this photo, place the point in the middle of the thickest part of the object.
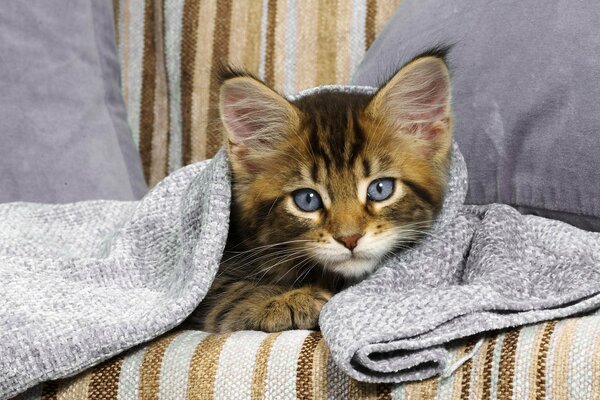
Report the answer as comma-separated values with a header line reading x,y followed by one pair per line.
x,y
526,96
62,118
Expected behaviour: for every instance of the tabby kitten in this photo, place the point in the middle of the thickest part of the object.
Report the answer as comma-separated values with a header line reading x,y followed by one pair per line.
x,y
324,187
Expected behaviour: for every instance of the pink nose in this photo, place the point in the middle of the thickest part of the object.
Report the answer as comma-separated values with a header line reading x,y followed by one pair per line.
x,y
349,241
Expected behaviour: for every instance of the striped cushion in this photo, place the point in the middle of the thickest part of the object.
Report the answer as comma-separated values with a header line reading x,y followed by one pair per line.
x,y
170,51
559,360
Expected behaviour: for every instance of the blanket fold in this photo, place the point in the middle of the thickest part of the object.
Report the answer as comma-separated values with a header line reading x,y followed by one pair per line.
x,y
82,282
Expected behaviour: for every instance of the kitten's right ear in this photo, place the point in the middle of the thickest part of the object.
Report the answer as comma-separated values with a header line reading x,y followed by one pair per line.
x,y
255,117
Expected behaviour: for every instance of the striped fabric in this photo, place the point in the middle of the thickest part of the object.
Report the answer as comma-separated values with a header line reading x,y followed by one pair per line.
x,y
170,51
552,360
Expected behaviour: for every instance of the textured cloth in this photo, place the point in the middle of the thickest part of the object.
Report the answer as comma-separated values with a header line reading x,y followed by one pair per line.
x,y
83,282
525,96
552,360
170,52
62,117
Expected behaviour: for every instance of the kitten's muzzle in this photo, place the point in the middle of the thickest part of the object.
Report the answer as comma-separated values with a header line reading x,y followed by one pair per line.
x,y
350,242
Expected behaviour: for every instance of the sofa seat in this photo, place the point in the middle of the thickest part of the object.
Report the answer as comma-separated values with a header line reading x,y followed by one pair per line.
x,y
555,359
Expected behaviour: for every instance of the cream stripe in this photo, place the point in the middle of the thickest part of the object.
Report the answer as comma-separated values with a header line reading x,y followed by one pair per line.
x,y
281,370
280,55
357,36
581,358
75,388
202,69
398,393
596,365
129,378
320,363
135,64
496,366
290,47
560,361
239,355
263,38
343,42
549,377
445,385
175,365
238,29
306,42
173,33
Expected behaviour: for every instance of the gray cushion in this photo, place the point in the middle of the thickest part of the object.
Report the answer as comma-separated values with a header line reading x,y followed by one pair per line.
x,y
526,95
62,118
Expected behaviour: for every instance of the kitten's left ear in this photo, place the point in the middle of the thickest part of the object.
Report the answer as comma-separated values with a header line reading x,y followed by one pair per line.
x,y
416,101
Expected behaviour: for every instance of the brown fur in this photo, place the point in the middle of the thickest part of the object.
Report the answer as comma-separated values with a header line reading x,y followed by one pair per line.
x,y
270,278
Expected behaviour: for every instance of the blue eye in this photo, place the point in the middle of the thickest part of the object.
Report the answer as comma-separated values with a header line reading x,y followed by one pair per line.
x,y
380,189
307,200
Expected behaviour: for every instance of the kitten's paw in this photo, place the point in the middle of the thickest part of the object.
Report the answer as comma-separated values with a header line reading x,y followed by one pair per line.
x,y
296,309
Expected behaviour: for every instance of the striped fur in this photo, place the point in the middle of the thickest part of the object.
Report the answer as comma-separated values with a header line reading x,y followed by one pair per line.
x,y
296,365
282,264
170,51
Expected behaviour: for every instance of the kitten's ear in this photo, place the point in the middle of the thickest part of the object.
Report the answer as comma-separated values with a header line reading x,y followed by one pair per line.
x,y
416,101
256,118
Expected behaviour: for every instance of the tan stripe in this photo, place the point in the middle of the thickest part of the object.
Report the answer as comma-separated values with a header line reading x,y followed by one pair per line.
x,y
253,31
214,139
203,367
239,26
540,330
50,390
326,42
189,30
160,138
148,88
104,382
261,365
343,67
150,368
596,368
541,362
561,351
369,391
279,55
75,388
424,390
304,369
507,364
202,80
385,9
487,369
116,20
270,42
306,43
370,23
320,377
478,369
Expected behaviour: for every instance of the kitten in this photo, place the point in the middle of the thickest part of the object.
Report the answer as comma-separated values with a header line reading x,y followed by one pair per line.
x,y
324,187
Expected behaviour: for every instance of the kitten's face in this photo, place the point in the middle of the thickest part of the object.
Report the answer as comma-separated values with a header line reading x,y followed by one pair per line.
x,y
341,179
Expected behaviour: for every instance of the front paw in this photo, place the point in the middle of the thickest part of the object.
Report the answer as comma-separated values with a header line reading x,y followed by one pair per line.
x,y
296,309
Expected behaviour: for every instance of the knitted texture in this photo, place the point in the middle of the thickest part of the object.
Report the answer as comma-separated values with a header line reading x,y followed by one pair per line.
x,y
85,281
82,282
554,360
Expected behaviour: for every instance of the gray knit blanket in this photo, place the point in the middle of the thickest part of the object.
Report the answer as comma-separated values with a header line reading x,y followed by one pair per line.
x,y
82,282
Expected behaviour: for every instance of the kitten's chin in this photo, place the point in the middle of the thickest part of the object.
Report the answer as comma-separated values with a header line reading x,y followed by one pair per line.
x,y
353,268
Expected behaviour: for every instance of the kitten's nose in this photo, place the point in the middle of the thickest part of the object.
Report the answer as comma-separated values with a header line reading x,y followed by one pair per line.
x,y
349,241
